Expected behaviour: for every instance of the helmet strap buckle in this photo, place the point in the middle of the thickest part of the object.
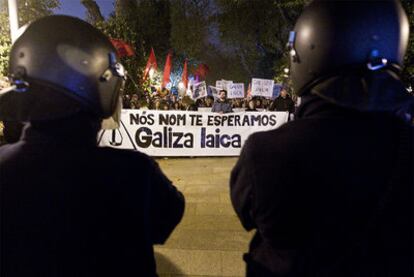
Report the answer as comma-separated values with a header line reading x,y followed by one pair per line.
x,y
115,69
375,61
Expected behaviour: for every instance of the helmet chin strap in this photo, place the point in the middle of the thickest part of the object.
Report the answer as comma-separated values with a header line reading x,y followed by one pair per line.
x,y
375,61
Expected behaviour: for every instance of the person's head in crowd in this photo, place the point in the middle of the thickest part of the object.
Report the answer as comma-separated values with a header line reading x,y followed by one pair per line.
x,y
176,106
143,104
126,101
259,102
133,105
200,103
173,98
222,96
164,106
157,104
283,93
238,103
186,102
209,101
251,105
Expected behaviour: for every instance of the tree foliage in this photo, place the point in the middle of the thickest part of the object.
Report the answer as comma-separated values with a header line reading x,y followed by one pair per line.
x,y
29,10
265,26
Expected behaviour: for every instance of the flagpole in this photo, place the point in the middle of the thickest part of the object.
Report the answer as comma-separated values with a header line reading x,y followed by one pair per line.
x,y
13,19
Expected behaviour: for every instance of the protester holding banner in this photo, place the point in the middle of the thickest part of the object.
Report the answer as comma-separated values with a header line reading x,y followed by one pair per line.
x,y
209,101
251,106
283,103
331,193
221,105
68,207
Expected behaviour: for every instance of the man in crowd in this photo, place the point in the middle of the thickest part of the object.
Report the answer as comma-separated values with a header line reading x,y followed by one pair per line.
x,y
221,105
283,103
68,207
330,194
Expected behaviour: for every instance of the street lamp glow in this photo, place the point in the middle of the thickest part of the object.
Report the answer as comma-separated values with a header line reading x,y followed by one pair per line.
x,y
13,19
286,70
181,85
151,73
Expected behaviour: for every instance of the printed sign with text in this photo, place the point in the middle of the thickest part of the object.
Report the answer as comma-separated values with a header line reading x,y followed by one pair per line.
x,y
262,87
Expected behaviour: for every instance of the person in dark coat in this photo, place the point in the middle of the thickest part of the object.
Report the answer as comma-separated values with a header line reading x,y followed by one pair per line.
x,y
68,207
221,105
283,103
330,194
251,106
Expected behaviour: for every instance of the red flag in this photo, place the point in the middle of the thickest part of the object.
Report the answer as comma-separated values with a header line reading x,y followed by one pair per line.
x,y
202,70
152,63
167,71
184,77
122,48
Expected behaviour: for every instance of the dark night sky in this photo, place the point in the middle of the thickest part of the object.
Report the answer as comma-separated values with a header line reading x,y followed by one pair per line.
x,y
75,8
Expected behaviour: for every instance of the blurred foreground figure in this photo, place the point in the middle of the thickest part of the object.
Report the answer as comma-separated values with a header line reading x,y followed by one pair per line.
x,y
69,208
331,193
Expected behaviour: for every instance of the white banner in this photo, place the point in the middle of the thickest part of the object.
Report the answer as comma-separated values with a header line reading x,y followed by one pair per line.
x,y
262,87
203,109
183,133
235,90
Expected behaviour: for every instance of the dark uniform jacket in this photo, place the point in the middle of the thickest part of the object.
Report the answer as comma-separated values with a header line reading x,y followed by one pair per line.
x,y
69,208
317,190
221,106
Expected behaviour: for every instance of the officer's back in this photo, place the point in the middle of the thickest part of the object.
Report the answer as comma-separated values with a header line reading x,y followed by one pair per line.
x,y
69,208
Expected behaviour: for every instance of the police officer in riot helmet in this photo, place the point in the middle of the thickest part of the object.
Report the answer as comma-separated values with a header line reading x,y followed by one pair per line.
x,y
68,207
331,193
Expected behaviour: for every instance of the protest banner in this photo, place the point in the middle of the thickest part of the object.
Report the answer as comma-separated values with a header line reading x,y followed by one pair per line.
x,y
203,109
262,87
183,133
235,90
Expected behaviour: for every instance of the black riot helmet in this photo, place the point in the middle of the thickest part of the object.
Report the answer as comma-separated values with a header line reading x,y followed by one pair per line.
x,y
351,53
59,66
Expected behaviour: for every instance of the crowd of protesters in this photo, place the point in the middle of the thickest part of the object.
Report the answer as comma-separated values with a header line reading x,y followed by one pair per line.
x,y
284,102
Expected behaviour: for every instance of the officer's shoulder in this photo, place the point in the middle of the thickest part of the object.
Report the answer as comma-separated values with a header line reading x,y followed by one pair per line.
x,y
125,157
292,134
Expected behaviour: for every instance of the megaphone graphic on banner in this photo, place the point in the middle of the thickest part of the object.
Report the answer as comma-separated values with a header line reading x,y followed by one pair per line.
x,y
116,140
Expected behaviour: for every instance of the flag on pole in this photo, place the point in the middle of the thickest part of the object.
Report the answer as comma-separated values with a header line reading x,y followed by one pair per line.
x,y
167,71
249,91
151,63
122,48
184,77
201,71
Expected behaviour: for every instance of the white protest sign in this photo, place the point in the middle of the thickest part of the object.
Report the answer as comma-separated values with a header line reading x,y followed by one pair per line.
x,y
235,90
223,84
262,87
200,90
184,133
